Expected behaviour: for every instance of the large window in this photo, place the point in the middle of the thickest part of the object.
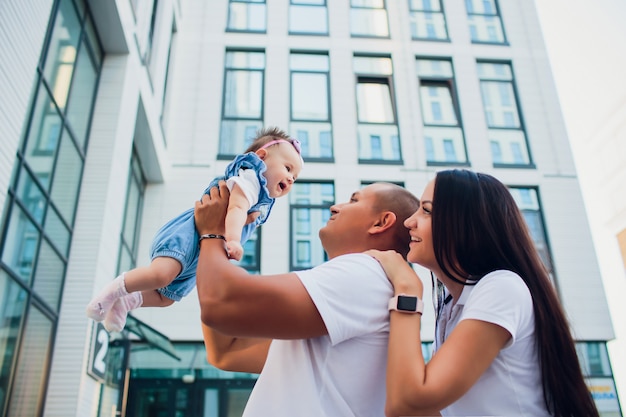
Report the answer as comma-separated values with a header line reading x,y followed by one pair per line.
x,y
527,200
308,17
377,126
484,21
368,18
242,110
246,16
310,105
41,206
443,134
596,367
310,210
129,237
506,130
428,22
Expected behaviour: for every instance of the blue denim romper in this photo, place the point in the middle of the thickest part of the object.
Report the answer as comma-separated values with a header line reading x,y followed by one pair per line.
x,y
178,238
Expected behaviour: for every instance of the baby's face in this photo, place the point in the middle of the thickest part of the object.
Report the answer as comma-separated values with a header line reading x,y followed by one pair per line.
x,y
283,167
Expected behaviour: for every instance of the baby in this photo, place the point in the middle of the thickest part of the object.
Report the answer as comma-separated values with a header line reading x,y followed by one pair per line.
x,y
266,171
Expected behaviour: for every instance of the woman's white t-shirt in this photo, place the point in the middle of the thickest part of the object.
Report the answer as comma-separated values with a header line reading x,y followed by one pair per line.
x,y
511,386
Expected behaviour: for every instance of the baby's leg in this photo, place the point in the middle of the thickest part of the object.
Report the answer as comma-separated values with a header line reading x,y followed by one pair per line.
x,y
160,273
155,299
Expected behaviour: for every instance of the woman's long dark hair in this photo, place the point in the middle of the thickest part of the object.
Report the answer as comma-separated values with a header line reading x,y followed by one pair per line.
x,y
478,228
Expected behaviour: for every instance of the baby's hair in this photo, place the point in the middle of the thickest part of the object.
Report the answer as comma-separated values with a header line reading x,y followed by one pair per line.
x,y
267,135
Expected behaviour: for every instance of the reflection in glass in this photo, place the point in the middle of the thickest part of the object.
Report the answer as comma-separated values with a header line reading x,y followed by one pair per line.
x,y
20,244
427,20
308,19
236,135
309,96
243,93
66,181
484,21
310,203
246,15
444,144
499,103
61,52
12,304
43,137
378,142
57,231
27,393
374,103
31,196
528,202
370,20
82,95
49,276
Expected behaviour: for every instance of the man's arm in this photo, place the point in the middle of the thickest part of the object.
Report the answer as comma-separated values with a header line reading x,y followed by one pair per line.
x,y
235,353
236,303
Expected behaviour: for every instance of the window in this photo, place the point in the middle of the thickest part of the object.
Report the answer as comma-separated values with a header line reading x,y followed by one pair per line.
x,y
443,134
310,210
377,126
506,131
527,200
242,110
246,16
250,260
129,237
308,17
41,205
310,105
428,21
368,18
484,20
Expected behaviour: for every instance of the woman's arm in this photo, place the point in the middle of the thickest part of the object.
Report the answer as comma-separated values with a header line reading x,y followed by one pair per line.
x,y
417,388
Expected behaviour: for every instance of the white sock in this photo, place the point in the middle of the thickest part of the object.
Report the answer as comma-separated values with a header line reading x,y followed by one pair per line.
x,y
101,303
116,317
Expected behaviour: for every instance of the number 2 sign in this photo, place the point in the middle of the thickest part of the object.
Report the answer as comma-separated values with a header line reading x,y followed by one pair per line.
x,y
98,352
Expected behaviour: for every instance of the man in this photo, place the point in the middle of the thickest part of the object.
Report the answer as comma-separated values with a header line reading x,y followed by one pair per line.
x,y
318,337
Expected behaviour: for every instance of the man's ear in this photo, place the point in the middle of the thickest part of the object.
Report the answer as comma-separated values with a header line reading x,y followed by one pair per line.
x,y
261,153
385,220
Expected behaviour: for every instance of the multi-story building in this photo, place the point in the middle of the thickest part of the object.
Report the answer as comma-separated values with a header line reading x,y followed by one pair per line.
x,y
116,114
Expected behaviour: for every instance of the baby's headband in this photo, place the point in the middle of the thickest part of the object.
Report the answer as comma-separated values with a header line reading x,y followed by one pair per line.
x,y
294,142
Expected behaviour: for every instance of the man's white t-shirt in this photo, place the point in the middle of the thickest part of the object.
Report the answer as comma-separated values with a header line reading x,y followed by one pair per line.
x,y
342,373
511,386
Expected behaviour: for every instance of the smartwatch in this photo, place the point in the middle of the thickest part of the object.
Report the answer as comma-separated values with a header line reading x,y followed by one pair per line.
x,y
406,304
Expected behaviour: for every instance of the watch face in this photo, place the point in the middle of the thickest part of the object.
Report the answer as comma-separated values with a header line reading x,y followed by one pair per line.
x,y
407,303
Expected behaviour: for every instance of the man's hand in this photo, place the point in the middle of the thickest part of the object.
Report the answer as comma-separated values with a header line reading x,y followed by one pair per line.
x,y
210,212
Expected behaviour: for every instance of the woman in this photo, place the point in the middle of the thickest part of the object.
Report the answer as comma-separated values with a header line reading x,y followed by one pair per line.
x,y
503,345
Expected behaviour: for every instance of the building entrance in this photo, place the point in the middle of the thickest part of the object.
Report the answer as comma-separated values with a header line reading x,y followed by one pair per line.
x,y
186,397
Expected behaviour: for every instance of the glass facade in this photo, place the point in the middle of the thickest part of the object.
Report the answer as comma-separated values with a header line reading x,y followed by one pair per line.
x,y
40,210
41,205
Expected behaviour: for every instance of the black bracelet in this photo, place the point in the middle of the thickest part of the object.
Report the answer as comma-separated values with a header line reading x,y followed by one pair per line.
x,y
210,236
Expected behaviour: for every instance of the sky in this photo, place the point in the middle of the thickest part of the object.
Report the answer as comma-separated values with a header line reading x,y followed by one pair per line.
x,y
586,44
